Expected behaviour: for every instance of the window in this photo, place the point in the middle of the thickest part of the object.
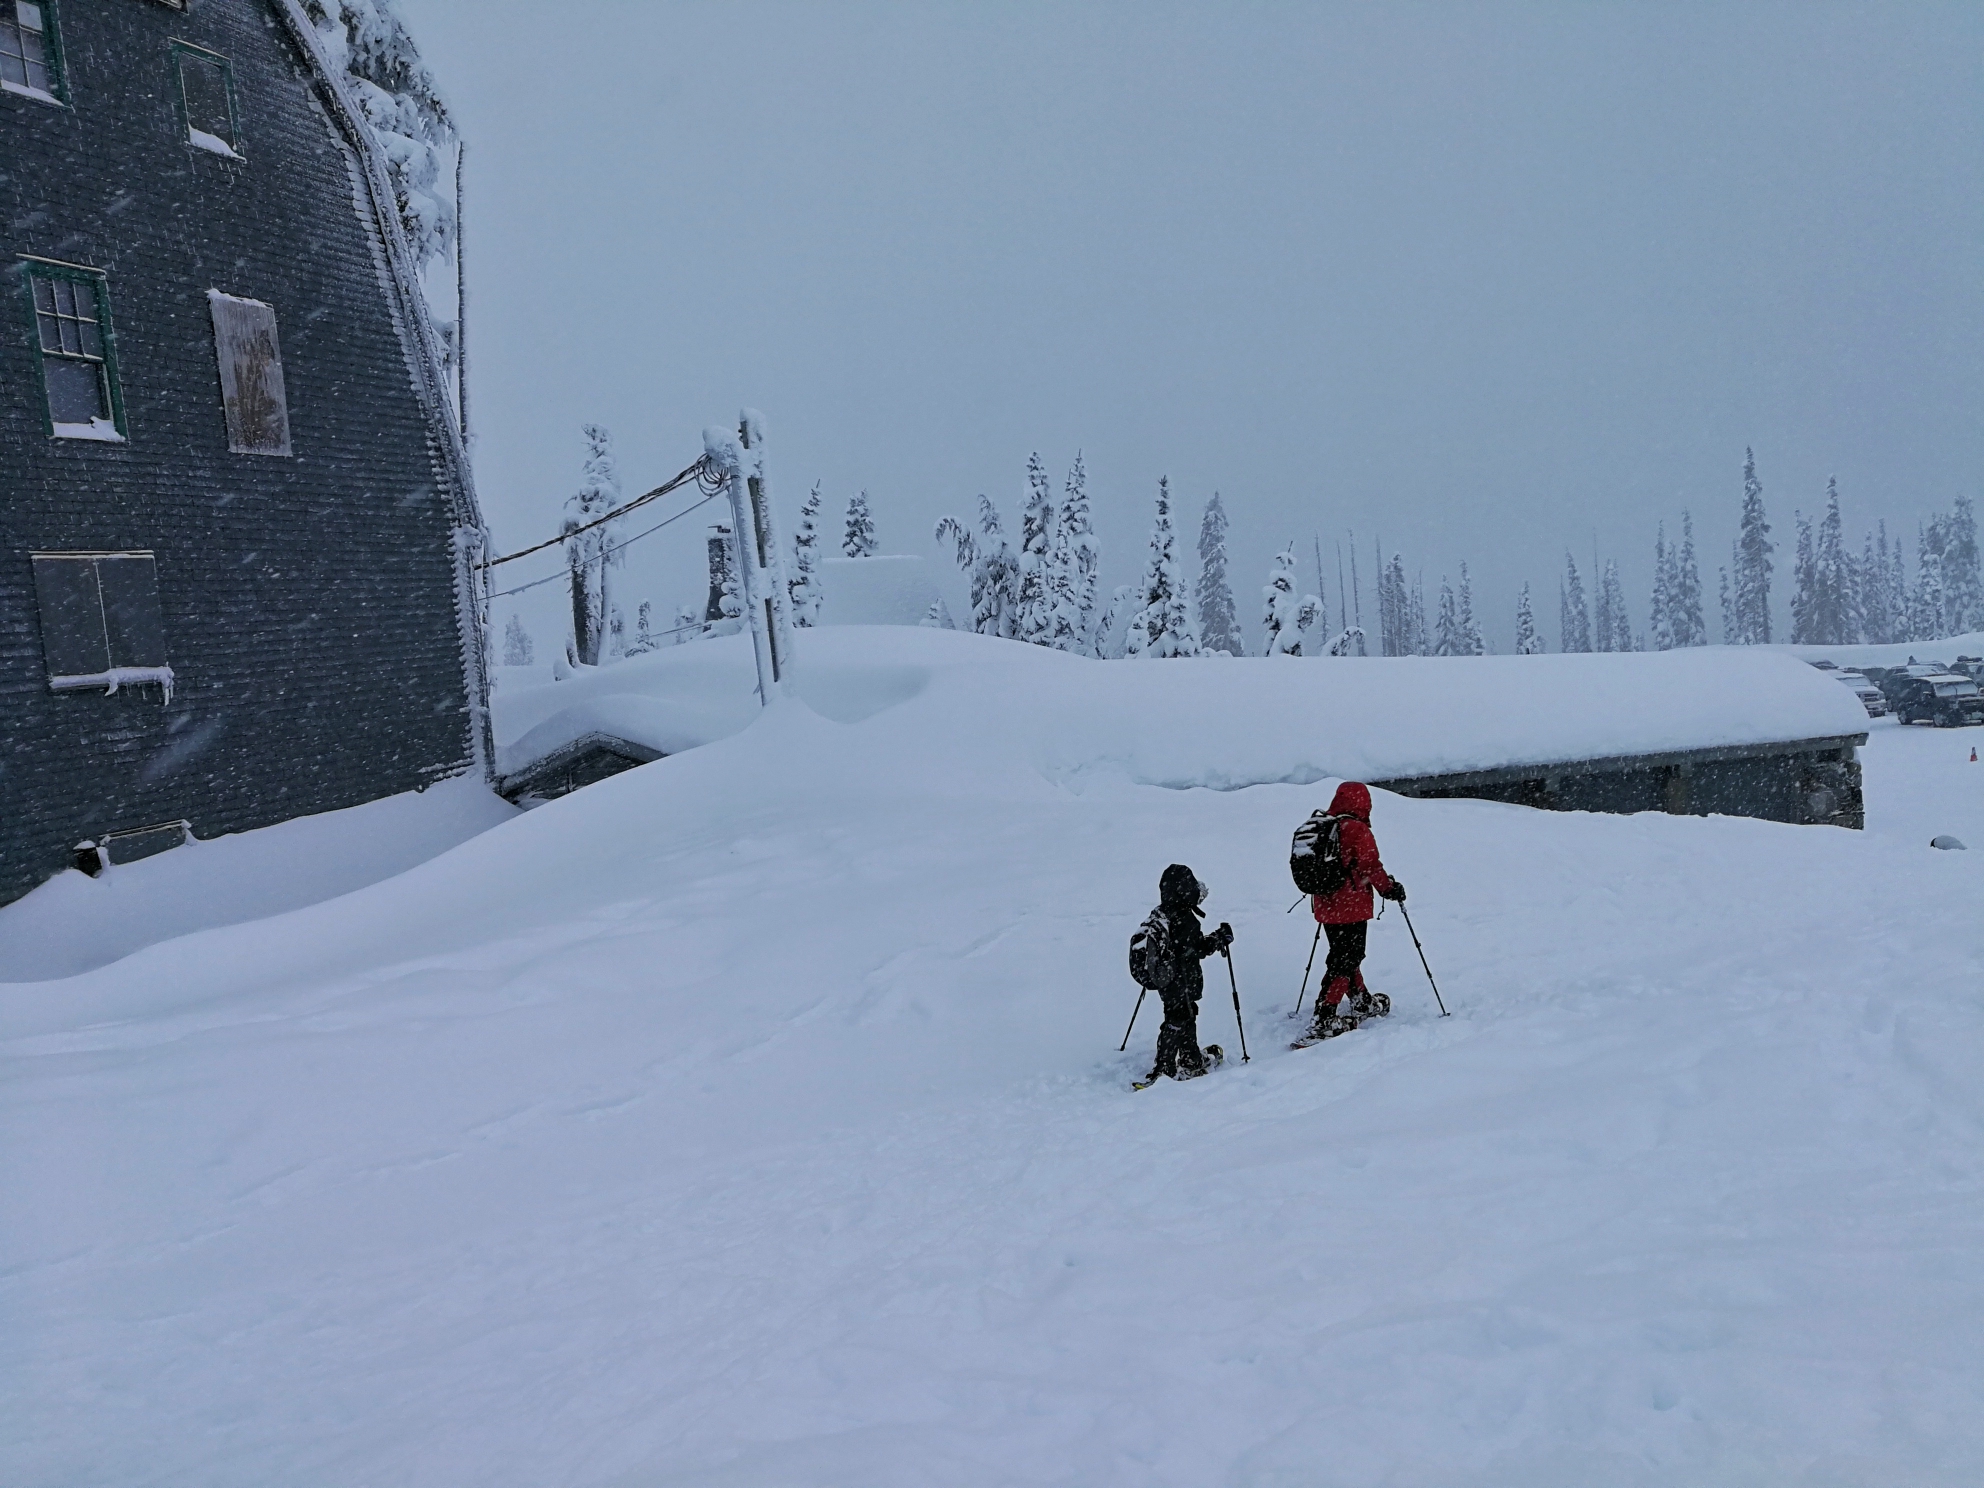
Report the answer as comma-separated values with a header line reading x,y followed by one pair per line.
x,y
206,99
100,621
30,55
71,309
251,390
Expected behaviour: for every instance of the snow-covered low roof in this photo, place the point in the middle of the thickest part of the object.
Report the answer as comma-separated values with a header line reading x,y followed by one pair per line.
x,y
1218,722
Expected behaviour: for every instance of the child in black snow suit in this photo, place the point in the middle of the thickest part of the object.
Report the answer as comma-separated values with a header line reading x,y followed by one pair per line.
x,y
1179,894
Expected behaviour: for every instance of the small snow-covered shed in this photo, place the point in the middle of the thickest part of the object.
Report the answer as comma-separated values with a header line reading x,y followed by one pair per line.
x,y
884,589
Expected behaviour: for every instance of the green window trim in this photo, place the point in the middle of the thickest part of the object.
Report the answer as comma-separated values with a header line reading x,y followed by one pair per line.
x,y
203,105
57,91
51,272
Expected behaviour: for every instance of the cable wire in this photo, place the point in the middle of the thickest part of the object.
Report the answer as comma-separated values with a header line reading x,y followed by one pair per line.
x,y
553,578
703,472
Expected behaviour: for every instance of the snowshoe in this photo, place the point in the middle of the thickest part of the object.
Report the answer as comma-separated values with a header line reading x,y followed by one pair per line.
x,y
1370,1005
1215,1057
1325,1028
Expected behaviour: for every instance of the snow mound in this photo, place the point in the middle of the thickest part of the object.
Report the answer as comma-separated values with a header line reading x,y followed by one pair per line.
x,y
1894,654
755,1117
74,923
1220,722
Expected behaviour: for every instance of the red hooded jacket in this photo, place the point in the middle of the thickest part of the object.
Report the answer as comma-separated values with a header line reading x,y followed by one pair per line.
x,y
1352,902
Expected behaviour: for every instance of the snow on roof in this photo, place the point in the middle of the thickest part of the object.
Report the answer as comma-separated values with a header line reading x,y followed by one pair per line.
x,y
1221,722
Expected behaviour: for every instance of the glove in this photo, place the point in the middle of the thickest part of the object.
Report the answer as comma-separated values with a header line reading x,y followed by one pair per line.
x,y
1222,937
1396,893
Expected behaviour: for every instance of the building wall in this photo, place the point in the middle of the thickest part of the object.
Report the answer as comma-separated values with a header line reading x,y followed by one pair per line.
x,y
309,602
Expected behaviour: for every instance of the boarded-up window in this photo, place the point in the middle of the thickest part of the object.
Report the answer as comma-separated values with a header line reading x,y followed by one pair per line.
x,y
250,375
100,620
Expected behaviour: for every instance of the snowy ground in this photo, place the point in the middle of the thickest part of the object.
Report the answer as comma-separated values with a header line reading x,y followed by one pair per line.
x,y
755,1118
74,923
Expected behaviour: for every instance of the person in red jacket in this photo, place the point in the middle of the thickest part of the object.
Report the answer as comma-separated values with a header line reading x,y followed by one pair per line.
x,y
1346,914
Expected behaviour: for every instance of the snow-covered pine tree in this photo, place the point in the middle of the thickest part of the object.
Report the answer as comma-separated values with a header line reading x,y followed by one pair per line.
x,y
938,616
1470,628
688,625
1804,586
804,585
1446,634
987,560
1573,616
1035,600
1281,610
1871,575
1927,618
591,554
1528,642
1422,640
1962,573
1163,624
1750,565
1391,606
1684,593
643,640
395,92
858,541
725,614
1112,631
1219,626
1898,590
1076,559
518,649
1615,629
1837,622
1659,626
1728,608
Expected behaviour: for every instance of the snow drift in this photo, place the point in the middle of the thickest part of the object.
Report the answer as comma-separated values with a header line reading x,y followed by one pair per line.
x,y
1221,722
755,1117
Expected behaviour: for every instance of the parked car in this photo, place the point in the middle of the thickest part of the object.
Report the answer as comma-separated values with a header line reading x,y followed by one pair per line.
x,y
1946,699
1893,681
1971,667
1871,697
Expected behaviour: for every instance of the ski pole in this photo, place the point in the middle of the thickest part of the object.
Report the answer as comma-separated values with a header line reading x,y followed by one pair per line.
x,y
1422,961
1306,970
1228,954
1133,1019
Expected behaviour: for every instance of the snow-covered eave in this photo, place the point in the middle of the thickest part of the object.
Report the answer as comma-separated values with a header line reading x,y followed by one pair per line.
x,y
1707,754
470,532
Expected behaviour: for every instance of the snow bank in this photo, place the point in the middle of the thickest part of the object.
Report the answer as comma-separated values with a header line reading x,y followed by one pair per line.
x,y
74,923
1892,655
1221,722
755,1117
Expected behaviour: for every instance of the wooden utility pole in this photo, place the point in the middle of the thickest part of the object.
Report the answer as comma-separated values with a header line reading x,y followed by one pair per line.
x,y
760,561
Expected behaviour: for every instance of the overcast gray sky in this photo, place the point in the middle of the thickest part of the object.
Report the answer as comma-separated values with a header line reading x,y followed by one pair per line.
x,y
1483,280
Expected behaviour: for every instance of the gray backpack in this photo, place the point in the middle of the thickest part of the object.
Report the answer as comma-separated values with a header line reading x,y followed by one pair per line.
x,y
1150,953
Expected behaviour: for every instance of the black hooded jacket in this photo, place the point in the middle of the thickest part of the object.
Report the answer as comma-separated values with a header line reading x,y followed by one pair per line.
x,y
1178,900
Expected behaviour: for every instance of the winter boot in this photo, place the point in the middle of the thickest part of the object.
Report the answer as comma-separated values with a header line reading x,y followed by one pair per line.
x,y
1331,1021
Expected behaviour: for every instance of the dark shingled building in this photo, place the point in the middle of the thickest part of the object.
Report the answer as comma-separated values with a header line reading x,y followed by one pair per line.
x,y
238,529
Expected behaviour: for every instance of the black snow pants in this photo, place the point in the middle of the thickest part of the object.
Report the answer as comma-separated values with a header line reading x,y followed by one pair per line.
x,y
1341,972
1178,1053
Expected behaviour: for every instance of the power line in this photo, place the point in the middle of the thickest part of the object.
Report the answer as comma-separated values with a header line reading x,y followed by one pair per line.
x,y
553,578
703,472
